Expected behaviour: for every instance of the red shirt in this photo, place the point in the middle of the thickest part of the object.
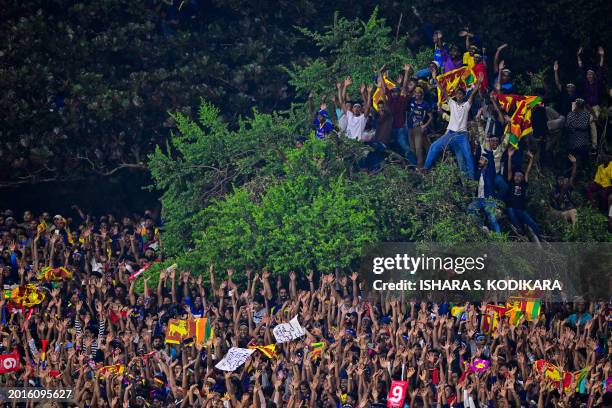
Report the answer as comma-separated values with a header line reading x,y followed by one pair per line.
x,y
397,105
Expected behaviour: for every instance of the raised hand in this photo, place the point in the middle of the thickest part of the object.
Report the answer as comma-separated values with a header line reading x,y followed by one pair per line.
x,y
556,66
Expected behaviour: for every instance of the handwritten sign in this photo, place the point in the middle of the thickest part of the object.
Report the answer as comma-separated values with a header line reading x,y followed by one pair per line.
x,y
285,332
234,358
397,394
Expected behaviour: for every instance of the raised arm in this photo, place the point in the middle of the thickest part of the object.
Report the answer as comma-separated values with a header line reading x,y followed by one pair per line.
x,y
368,104
509,172
339,95
496,59
500,115
579,57
407,68
383,91
476,87
573,175
601,52
347,82
467,39
442,91
556,72
500,67
309,104
529,164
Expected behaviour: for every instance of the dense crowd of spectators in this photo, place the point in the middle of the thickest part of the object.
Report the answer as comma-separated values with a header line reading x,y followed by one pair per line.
x,y
95,322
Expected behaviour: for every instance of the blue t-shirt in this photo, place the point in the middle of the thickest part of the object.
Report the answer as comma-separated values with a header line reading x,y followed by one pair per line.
x,y
585,317
417,112
439,56
322,129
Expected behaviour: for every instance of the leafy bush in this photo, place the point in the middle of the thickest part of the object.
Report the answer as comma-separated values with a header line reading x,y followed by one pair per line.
x,y
350,47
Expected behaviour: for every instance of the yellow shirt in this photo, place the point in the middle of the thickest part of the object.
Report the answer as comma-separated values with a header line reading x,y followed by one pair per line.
x,y
468,59
603,177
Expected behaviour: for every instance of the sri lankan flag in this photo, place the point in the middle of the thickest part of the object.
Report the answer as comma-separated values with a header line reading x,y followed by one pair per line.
x,y
530,308
204,332
317,350
115,369
378,93
25,296
546,369
269,350
581,380
456,311
463,78
520,121
491,321
50,274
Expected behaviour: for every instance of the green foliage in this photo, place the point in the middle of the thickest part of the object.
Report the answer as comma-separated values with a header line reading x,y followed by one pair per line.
x,y
591,225
203,159
298,225
350,47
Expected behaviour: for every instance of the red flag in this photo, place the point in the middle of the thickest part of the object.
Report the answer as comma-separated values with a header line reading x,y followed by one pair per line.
x,y
520,121
43,353
397,394
9,362
139,272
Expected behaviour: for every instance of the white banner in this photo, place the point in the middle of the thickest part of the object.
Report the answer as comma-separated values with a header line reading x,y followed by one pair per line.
x,y
285,332
234,358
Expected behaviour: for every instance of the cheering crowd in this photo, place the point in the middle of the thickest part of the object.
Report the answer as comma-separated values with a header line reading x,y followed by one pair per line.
x,y
463,105
80,311
110,343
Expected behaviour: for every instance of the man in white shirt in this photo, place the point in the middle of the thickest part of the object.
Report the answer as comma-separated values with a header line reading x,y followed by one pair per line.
x,y
456,133
356,116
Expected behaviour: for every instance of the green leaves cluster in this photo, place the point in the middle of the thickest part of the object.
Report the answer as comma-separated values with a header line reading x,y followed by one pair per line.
x,y
350,47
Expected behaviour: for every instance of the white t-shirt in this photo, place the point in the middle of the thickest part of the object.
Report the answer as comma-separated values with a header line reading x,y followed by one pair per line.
x,y
458,116
343,122
481,190
355,125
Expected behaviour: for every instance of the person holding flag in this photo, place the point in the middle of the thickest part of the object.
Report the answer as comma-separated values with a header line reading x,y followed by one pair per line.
x,y
456,135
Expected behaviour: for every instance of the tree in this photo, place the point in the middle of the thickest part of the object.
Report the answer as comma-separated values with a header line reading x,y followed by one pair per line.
x,y
250,198
351,47
87,85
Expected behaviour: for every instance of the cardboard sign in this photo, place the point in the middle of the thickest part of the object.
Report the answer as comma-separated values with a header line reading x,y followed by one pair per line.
x,y
285,332
234,358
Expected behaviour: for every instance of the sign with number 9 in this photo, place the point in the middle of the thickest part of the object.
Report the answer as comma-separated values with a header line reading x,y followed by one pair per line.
x,y
397,394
